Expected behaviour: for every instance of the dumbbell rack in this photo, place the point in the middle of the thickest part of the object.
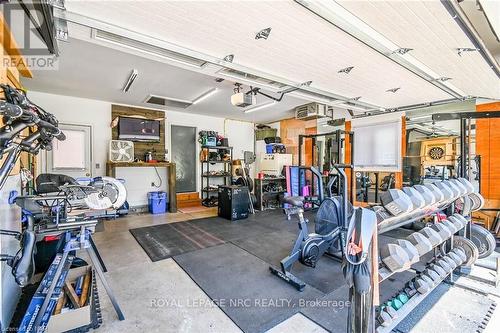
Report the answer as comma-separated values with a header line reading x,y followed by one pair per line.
x,y
384,273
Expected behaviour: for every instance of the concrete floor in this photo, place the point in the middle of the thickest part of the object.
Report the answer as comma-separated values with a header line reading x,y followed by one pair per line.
x,y
159,296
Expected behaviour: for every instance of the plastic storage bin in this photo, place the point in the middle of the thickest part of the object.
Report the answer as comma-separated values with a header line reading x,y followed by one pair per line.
x,y
157,202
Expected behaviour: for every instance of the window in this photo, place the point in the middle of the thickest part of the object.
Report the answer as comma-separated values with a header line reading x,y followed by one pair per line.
x,y
70,153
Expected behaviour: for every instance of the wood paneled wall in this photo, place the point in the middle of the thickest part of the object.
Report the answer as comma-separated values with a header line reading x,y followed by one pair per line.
x,y
488,146
290,129
140,148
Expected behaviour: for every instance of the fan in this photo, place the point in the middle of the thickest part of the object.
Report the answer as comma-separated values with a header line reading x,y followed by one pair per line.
x,y
121,151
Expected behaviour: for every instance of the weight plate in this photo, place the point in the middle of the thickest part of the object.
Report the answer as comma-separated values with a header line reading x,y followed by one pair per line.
x,y
470,249
468,185
477,201
466,205
460,186
483,239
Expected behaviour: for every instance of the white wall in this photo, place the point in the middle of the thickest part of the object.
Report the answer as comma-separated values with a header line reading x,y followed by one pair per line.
x,y
74,110
81,111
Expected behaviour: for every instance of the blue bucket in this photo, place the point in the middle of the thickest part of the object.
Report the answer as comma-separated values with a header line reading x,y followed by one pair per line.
x,y
157,202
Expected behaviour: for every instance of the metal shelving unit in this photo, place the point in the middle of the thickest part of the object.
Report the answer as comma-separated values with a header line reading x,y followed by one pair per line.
x,y
266,196
226,176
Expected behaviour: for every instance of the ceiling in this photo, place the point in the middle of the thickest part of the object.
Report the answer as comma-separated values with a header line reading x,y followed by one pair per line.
x,y
485,17
96,72
427,28
302,47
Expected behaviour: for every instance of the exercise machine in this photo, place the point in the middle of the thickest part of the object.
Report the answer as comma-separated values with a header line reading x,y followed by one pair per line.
x,y
330,223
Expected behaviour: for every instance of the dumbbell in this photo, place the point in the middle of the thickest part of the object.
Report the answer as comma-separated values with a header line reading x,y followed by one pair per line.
x,y
467,184
395,257
384,318
433,275
439,270
390,310
446,190
463,190
421,242
455,258
426,193
417,199
421,286
438,195
460,253
456,222
395,303
450,262
403,298
456,192
410,289
450,226
428,280
444,265
443,231
461,218
410,249
432,236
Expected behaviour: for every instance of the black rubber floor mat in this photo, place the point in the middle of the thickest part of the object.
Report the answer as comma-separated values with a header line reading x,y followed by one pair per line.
x,y
242,286
449,309
273,247
166,240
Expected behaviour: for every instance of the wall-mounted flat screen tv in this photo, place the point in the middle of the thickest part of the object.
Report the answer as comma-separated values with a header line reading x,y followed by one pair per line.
x,y
137,129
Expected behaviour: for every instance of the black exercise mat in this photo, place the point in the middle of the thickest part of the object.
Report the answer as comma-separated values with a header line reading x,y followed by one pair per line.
x,y
243,286
166,240
274,246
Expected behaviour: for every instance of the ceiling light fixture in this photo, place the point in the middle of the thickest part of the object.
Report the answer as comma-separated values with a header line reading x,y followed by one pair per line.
x,y
346,70
402,50
442,79
462,50
205,95
260,107
131,79
229,58
263,34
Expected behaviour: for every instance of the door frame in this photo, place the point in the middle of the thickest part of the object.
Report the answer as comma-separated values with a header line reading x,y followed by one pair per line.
x,y
44,162
197,153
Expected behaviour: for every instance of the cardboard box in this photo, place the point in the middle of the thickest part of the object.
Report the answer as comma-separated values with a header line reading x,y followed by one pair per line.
x,y
74,318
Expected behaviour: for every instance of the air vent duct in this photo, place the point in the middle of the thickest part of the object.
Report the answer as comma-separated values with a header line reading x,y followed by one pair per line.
x,y
313,111
167,101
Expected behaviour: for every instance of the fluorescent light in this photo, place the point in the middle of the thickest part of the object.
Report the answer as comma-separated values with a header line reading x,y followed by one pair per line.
x,y
259,107
205,95
130,80
150,49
